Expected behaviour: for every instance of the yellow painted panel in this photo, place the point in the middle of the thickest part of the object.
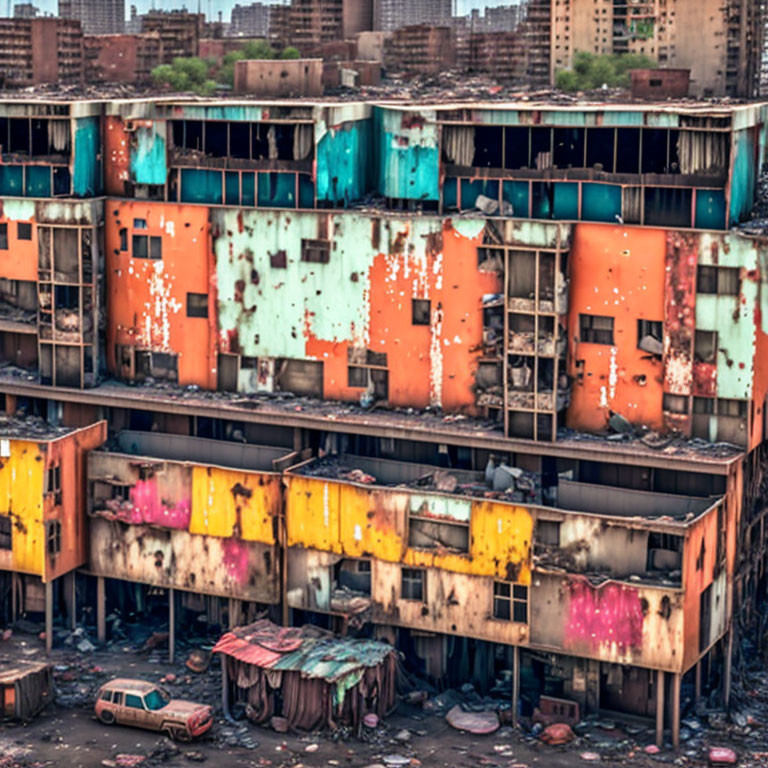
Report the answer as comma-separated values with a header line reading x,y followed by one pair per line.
x,y
312,513
21,497
229,503
371,521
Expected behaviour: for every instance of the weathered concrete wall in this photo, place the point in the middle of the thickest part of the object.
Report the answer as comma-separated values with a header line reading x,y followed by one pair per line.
x,y
277,77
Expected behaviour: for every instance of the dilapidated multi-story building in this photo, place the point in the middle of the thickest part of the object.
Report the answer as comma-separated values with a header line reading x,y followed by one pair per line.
x,y
484,380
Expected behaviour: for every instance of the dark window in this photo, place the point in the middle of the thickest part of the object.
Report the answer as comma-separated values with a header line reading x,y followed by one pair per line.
x,y
705,617
106,696
316,251
278,260
651,328
123,239
675,403
737,408
667,541
197,305
139,223
596,329
510,602
723,281
420,311
548,532
131,700
3,237
413,584
5,532
118,697
703,404
147,247
53,481
24,230
53,537
356,376
705,346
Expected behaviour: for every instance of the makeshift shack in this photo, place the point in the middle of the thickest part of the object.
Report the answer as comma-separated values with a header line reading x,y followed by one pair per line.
x,y
309,677
25,688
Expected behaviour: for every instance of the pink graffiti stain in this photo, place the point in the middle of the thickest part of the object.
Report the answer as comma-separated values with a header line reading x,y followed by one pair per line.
x,y
236,559
148,507
611,614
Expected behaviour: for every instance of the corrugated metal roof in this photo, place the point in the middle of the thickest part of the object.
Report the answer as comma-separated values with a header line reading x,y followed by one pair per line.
x,y
306,650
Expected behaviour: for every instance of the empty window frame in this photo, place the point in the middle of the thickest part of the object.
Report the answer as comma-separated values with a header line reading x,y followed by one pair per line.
x,y
53,537
6,528
24,230
420,311
548,532
705,346
596,329
147,247
316,251
197,305
510,602
675,403
53,482
429,532
723,281
413,585
733,408
3,237
653,328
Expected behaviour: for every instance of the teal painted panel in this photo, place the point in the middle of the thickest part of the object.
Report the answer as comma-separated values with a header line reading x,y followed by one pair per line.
x,y
566,200
516,193
471,189
200,186
742,177
343,160
148,156
563,118
662,120
249,189
600,202
710,209
87,168
231,188
496,116
237,112
38,181
306,191
618,119
12,180
276,190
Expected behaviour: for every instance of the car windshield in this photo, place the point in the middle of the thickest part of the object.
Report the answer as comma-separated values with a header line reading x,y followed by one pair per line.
x,y
156,699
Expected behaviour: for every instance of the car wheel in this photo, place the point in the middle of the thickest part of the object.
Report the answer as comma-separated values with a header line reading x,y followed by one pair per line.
x,y
107,717
179,734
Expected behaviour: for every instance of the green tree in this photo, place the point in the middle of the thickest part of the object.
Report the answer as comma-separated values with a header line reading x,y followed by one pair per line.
x,y
589,71
290,53
190,74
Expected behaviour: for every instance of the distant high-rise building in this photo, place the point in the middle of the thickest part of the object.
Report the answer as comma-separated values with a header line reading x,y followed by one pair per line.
x,y
97,17
25,11
250,20
393,14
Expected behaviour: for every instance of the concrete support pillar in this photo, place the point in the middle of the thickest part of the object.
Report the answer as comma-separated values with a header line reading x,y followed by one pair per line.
x,y
72,599
677,680
727,667
659,708
101,619
171,625
14,596
697,688
48,617
515,683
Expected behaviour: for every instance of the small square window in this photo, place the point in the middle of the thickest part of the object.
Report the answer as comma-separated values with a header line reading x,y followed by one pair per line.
x,y
510,602
420,311
155,247
734,408
723,281
705,346
278,260
413,584
548,532
595,329
356,376
123,239
3,237
675,403
652,328
316,251
24,230
140,247
53,537
704,405
6,528
197,305
139,223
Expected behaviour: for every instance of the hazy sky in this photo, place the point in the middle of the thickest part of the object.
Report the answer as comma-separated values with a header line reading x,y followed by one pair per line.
x,y
225,6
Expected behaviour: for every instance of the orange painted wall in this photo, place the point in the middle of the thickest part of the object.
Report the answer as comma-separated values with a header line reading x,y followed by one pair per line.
x,y
117,155
760,384
70,453
427,364
19,262
147,298
616,272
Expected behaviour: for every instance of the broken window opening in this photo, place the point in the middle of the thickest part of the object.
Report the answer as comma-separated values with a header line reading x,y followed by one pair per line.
x,y
596,329
548,532
215,138
705,348
675,403
420,311
488,147
705,617
650,335
668,206
413,585
24,230
568,147
197,305
723,281
53,537
704,405
316,251
516,147
6,532
354,575
665,552
628,150
139,223
425,531
600,145
510,602
655,151
3,237
145,247
733,408
67,297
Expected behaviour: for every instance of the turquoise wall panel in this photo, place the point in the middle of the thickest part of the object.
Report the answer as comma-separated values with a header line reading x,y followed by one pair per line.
x,y
86,179
600,202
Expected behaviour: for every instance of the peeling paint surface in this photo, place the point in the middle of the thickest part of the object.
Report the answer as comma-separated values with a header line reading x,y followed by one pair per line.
x,y
148,155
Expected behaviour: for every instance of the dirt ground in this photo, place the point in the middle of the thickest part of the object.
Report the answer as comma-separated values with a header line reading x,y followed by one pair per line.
x,y
67,735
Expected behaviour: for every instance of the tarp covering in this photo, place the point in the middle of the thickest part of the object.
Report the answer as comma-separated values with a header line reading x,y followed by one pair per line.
x,y
323,680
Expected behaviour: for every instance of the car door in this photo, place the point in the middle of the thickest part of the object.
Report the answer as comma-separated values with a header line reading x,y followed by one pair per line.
x,y
118,707
153,718
134,710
